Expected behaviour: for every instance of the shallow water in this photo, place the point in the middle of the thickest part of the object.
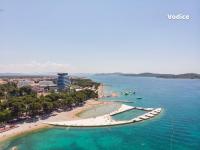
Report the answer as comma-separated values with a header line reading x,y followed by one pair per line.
x,y
99,110
176,128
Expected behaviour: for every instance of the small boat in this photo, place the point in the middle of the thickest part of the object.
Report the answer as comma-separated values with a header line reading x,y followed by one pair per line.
x,y
139,97
128,92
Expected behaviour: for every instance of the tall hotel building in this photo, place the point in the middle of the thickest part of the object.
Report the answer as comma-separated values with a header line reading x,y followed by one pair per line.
x,y
63,81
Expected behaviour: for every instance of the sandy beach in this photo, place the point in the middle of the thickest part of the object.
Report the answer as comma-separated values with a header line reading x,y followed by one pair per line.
x,y
61,116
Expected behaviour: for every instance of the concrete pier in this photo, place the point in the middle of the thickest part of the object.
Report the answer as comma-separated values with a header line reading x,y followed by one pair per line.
x,y
107,120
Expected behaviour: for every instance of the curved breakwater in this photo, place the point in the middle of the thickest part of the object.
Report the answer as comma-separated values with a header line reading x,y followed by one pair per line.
x,y
107,120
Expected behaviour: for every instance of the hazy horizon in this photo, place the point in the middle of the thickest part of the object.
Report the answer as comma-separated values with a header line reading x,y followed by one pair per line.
x,y
80,73
99,37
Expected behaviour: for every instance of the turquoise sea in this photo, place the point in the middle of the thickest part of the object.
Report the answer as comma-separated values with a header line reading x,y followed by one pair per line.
x,y
176,128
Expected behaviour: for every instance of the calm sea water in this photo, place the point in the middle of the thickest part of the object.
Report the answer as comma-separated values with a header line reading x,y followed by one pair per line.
x,y
176,128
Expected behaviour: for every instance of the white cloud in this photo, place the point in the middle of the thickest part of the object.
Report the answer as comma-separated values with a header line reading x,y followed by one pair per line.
x,y
36,67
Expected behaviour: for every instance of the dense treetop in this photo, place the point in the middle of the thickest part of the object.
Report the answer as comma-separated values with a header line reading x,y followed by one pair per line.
x,y
17,103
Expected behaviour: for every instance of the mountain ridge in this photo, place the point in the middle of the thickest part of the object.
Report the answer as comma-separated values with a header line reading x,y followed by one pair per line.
x,y
157,75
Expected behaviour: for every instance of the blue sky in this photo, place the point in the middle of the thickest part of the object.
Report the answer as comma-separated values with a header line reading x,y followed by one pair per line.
x,y
99,36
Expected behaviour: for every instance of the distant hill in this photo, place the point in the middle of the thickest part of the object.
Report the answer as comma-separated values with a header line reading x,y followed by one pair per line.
x,y
157,75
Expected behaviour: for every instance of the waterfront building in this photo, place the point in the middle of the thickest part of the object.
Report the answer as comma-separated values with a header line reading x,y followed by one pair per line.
x,y
63,81
46,84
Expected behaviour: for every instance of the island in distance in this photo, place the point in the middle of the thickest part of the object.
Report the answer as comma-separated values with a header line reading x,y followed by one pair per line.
x,y
157,75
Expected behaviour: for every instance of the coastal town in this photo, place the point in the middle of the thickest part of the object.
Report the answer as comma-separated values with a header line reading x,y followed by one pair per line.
x,y
99,75
43,84
33,103
26,102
